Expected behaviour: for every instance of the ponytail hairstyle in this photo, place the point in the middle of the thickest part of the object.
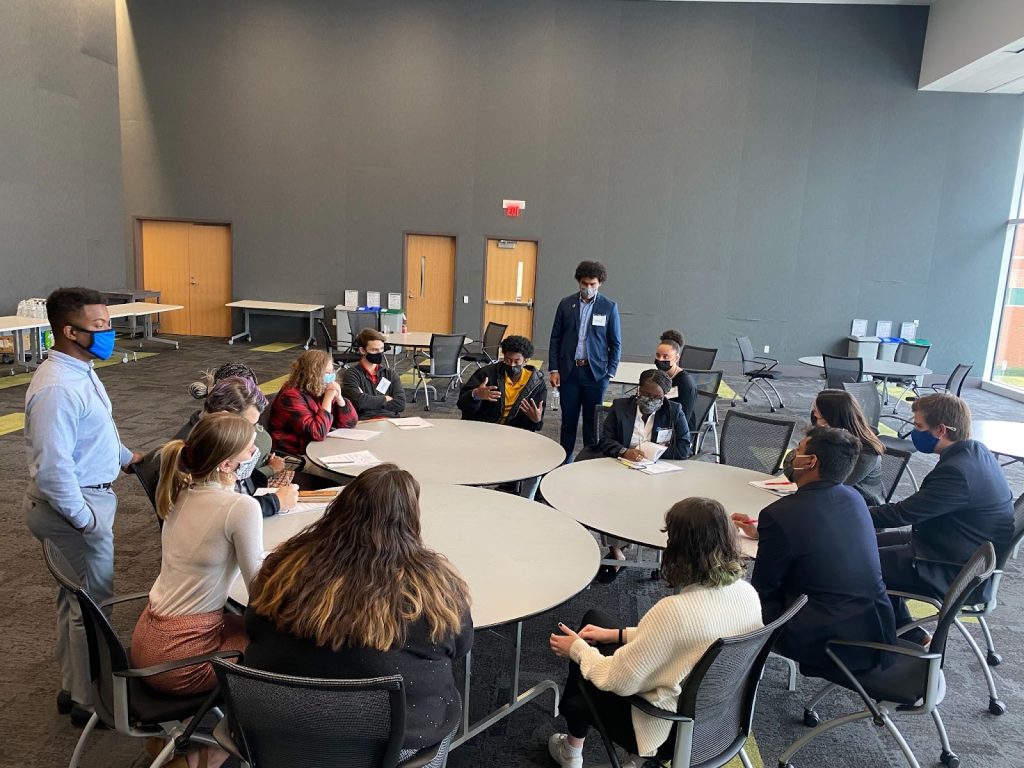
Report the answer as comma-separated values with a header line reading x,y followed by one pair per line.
x,y
200,389
674,339
214,439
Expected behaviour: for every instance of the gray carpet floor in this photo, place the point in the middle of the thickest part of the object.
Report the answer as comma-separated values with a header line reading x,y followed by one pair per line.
x,y
151,403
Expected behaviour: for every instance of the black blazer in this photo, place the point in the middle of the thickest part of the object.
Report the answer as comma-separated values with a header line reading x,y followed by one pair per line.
x,y
820,542
618,428
358,387
490,411
963,502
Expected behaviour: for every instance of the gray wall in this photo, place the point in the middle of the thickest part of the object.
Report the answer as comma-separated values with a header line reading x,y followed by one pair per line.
x,y
61,200
767,170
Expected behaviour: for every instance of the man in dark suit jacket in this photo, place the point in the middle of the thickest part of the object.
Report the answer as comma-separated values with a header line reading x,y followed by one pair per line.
x,y
820,542
661,421
583,353
963,502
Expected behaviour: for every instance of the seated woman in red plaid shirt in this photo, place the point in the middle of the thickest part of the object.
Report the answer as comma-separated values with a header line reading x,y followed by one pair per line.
x,y
309,404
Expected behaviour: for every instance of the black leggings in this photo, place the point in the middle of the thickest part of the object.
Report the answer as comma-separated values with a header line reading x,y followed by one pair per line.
x,y
615,711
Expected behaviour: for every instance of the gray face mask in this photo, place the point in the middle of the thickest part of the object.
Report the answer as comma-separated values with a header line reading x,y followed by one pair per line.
x,y
649,405
588,292
247,467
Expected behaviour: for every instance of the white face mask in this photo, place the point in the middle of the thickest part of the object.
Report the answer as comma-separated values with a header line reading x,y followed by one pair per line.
x,y
247,467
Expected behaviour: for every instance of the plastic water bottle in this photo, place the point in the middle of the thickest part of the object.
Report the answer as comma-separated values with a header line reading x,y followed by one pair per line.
x,y
405,326
556,400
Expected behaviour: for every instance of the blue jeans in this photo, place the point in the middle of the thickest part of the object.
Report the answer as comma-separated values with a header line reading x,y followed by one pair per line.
x,y
579,390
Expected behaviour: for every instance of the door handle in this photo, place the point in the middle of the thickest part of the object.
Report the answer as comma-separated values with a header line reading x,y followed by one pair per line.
x,y
193,281
423,273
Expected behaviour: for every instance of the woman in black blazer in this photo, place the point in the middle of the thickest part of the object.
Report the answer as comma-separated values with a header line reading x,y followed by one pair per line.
x,y
646,417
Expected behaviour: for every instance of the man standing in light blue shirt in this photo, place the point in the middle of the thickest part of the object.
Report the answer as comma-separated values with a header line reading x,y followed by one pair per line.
x,y
74,454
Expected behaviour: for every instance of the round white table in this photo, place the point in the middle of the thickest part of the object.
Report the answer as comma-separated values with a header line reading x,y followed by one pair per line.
x,y
606,496
520,558
1005,438
888,369
414,339
451,451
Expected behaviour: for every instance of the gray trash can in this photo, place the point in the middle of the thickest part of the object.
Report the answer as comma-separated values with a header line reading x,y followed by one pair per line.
x,y
865,347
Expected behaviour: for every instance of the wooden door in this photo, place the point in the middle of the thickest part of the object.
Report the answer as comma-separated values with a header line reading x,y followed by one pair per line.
x,y
209,256
429,282
509,285
165,246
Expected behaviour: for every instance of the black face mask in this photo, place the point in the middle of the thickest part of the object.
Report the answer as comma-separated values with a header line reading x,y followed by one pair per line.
x,y
513,370
663,365
814,421
375,357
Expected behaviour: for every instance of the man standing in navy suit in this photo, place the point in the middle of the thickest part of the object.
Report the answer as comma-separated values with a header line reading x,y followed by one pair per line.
x,y
583,353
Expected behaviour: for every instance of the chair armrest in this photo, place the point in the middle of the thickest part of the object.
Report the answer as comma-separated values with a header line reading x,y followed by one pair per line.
x,y
167,666
662,714
124,599
423,757
932,601
222,733
924,653
939,562
763,359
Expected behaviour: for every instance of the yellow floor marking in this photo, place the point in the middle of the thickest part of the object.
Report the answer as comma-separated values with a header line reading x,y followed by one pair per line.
x,y
277,346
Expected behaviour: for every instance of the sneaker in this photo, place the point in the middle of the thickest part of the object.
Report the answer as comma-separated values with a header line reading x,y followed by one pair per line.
x,y
64,702
562,753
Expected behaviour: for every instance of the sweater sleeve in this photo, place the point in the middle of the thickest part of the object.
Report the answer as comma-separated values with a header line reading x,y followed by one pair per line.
x,y
244,528
629,669
345,417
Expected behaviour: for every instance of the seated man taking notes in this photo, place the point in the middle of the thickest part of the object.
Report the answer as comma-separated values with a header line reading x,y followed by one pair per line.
x,y
509,392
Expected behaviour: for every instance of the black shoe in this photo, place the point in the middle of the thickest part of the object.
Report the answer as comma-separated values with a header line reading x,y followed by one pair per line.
x,y
607,574
64,702
80,716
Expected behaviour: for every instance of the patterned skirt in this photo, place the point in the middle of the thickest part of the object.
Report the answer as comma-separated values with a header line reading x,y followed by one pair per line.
x,y
159,639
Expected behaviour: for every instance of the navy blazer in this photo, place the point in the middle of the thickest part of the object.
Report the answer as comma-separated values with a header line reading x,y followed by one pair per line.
x,y
820,542
963,502
604,343
618,428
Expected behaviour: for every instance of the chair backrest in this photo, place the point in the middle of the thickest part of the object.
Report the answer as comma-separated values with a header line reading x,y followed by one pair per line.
x,y
282,721
913,354
866,393
840,370
106,653
893,465
702,406
971,576
1018,533
445,352
361,320
720,691
148,472
700,358
601,413
955,384
754,442
328,339
747,354
493,334
706,381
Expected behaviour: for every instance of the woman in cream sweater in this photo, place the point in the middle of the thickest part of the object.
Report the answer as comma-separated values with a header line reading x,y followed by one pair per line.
x,y
711,600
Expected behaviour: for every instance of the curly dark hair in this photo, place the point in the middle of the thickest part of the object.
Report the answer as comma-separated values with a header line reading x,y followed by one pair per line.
x,y
512,345
673,338
591,269
701,545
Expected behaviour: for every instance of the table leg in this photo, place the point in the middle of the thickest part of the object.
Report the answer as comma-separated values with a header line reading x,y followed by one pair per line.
x,y
516,700
312,330
147,333
247,333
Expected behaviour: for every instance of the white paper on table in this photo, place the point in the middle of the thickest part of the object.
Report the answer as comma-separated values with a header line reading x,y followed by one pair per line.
x,y
660,468
652,451
264,491
778,487
635,464
353,434
354,459
411,422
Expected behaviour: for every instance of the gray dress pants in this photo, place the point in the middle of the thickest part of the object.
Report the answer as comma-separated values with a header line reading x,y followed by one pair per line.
x,y
91,554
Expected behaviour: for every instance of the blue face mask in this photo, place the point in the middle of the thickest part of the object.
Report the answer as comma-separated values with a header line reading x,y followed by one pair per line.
x,y
102,344
329,378
924,441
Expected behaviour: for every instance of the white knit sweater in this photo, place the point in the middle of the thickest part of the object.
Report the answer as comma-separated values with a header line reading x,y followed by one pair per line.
x,y
660,652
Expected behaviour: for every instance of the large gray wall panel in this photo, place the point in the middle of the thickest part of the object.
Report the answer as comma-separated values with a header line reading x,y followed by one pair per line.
x,y
761,169
61,195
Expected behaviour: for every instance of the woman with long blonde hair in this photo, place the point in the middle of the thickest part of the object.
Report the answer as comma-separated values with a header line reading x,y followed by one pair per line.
x,y
309,404
357,594
210,533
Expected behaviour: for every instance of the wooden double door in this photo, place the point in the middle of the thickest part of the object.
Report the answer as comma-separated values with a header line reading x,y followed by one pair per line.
x,y
190,264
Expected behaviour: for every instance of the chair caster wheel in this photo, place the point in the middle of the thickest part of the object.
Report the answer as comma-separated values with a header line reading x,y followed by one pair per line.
x,y
231,342
993,659
949,759
655,575
811,718
785,765
996,707
773,410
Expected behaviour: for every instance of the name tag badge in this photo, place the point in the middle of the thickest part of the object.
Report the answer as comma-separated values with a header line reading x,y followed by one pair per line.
x,y
383,386
664,436
600,321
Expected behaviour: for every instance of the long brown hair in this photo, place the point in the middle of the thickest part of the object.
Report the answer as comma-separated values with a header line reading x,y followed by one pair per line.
x,y
360,575
215,438
841,410
308,371
702,547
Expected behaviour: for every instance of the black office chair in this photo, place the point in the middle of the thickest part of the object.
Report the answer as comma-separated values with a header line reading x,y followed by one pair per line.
x,y
954,384
281,721
699,358
754,442
343,358
601,413
121,699
485,352
759,372
866,393
702,417
715,709
912,684
893,465
709,382
841,370
147,470
443,363
912,354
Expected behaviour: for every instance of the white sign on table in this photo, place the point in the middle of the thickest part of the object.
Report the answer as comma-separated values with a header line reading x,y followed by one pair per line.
x,y
394,301
908,331
859,328
373,298
883,329
351,298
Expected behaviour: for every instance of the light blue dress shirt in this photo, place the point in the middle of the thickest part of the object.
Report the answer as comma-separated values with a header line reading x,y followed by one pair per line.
x,y
70,435
586,310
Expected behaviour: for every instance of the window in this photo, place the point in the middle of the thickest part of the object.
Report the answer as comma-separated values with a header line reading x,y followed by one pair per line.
x,y
1008,364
